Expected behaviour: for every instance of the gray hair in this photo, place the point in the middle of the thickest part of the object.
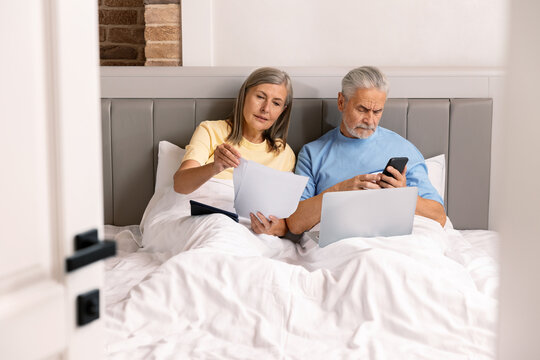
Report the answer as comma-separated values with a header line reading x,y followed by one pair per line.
x,y
277,134
365,77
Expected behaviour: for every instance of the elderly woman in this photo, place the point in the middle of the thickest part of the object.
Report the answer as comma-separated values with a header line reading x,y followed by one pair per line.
x,y
256,130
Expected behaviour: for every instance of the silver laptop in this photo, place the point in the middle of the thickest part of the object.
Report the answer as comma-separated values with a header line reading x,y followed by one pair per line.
x,y
367,213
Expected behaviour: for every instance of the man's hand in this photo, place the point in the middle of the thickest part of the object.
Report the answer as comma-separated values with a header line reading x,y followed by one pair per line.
x,y
358,182
397,180
225,156
308,212
272,226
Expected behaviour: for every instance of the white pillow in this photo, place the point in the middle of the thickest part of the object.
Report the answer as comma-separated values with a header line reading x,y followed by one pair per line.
x,y
437,173
169,159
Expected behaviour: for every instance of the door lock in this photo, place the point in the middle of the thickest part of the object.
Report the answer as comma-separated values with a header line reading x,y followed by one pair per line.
x,y
87,307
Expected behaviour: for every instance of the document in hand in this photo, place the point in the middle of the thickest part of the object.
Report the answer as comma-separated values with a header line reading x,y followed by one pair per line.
x,y
260,188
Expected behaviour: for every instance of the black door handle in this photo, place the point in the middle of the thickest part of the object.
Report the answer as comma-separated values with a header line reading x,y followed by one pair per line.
x,y
89,249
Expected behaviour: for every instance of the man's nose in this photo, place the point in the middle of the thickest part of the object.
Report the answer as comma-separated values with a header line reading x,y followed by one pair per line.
x,y
369,116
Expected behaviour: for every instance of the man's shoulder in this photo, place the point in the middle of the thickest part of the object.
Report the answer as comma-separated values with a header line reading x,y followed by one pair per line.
x,y
394,137
389,133
403,146
329,136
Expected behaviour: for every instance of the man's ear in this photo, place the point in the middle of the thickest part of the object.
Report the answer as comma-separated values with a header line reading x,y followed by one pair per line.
x,y
341,101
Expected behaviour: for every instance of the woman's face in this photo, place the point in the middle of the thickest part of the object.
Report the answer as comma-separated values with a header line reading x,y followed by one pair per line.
x,y
263,105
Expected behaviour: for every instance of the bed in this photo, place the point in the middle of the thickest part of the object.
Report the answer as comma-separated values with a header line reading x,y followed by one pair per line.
x,y
208,288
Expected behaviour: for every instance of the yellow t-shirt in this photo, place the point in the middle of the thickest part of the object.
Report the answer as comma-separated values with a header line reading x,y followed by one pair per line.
x,y
209,134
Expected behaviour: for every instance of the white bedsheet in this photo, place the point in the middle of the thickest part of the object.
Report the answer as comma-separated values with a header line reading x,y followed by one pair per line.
x,y
208,288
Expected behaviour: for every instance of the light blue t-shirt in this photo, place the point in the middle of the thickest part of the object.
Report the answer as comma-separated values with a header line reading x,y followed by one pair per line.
x,y
334,158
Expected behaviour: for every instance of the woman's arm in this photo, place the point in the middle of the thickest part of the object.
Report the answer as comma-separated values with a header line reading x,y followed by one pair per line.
x,y
191,175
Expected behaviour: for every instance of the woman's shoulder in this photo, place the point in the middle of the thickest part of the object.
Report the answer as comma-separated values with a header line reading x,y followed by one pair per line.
x,y
286,157
288,150
283,149
215,124
220,128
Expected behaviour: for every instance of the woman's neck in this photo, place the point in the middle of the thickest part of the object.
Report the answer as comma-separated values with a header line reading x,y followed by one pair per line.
x,y
252,136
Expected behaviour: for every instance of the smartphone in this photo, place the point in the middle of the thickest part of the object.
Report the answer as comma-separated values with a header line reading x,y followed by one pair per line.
x,y
397,163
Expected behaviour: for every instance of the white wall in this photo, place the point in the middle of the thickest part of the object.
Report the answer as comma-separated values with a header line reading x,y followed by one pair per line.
x,y
448,33
520,192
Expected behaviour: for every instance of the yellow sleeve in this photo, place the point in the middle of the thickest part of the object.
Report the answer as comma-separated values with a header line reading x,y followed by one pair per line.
x,y
206,137
199,147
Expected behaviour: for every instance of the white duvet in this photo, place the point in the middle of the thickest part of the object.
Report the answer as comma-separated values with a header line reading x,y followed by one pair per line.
x,y
206,287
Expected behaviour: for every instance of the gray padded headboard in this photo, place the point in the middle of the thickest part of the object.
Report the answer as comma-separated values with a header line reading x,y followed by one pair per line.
x,y
458,128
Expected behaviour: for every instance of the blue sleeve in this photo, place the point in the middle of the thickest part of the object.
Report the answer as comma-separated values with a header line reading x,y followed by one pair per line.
x,y
303,167
417,176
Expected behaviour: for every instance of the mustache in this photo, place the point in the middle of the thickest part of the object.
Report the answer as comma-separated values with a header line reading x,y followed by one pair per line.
x,y
365,127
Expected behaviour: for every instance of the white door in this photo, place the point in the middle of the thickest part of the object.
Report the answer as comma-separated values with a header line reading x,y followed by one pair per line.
x,y
50,177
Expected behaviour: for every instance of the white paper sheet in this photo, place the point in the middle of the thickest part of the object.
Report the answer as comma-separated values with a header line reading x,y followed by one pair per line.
x,y
260,188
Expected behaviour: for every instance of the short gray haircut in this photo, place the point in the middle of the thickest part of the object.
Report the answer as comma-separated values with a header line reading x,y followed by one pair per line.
x,y
365,77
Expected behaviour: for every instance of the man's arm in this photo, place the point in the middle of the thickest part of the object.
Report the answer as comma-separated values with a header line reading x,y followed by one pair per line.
x,y
431,209
306,216
308,212
424,207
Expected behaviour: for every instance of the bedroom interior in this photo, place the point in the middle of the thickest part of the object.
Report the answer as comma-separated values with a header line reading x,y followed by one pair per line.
x,y
462,89
143,107
205,42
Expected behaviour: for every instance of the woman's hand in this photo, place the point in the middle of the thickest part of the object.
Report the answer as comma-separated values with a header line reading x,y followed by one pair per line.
x,y
225,156
272,226
397,180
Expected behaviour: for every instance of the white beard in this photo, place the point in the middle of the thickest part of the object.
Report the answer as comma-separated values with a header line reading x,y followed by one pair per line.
x,y
353,133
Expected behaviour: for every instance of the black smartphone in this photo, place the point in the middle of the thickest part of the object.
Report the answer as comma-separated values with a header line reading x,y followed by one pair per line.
x,y
198,208
397,163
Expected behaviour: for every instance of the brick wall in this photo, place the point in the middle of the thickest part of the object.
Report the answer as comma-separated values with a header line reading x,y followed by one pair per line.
x,y
163,33
121,32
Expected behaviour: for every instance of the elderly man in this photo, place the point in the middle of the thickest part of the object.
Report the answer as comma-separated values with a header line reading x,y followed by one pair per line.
x,y
353,155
